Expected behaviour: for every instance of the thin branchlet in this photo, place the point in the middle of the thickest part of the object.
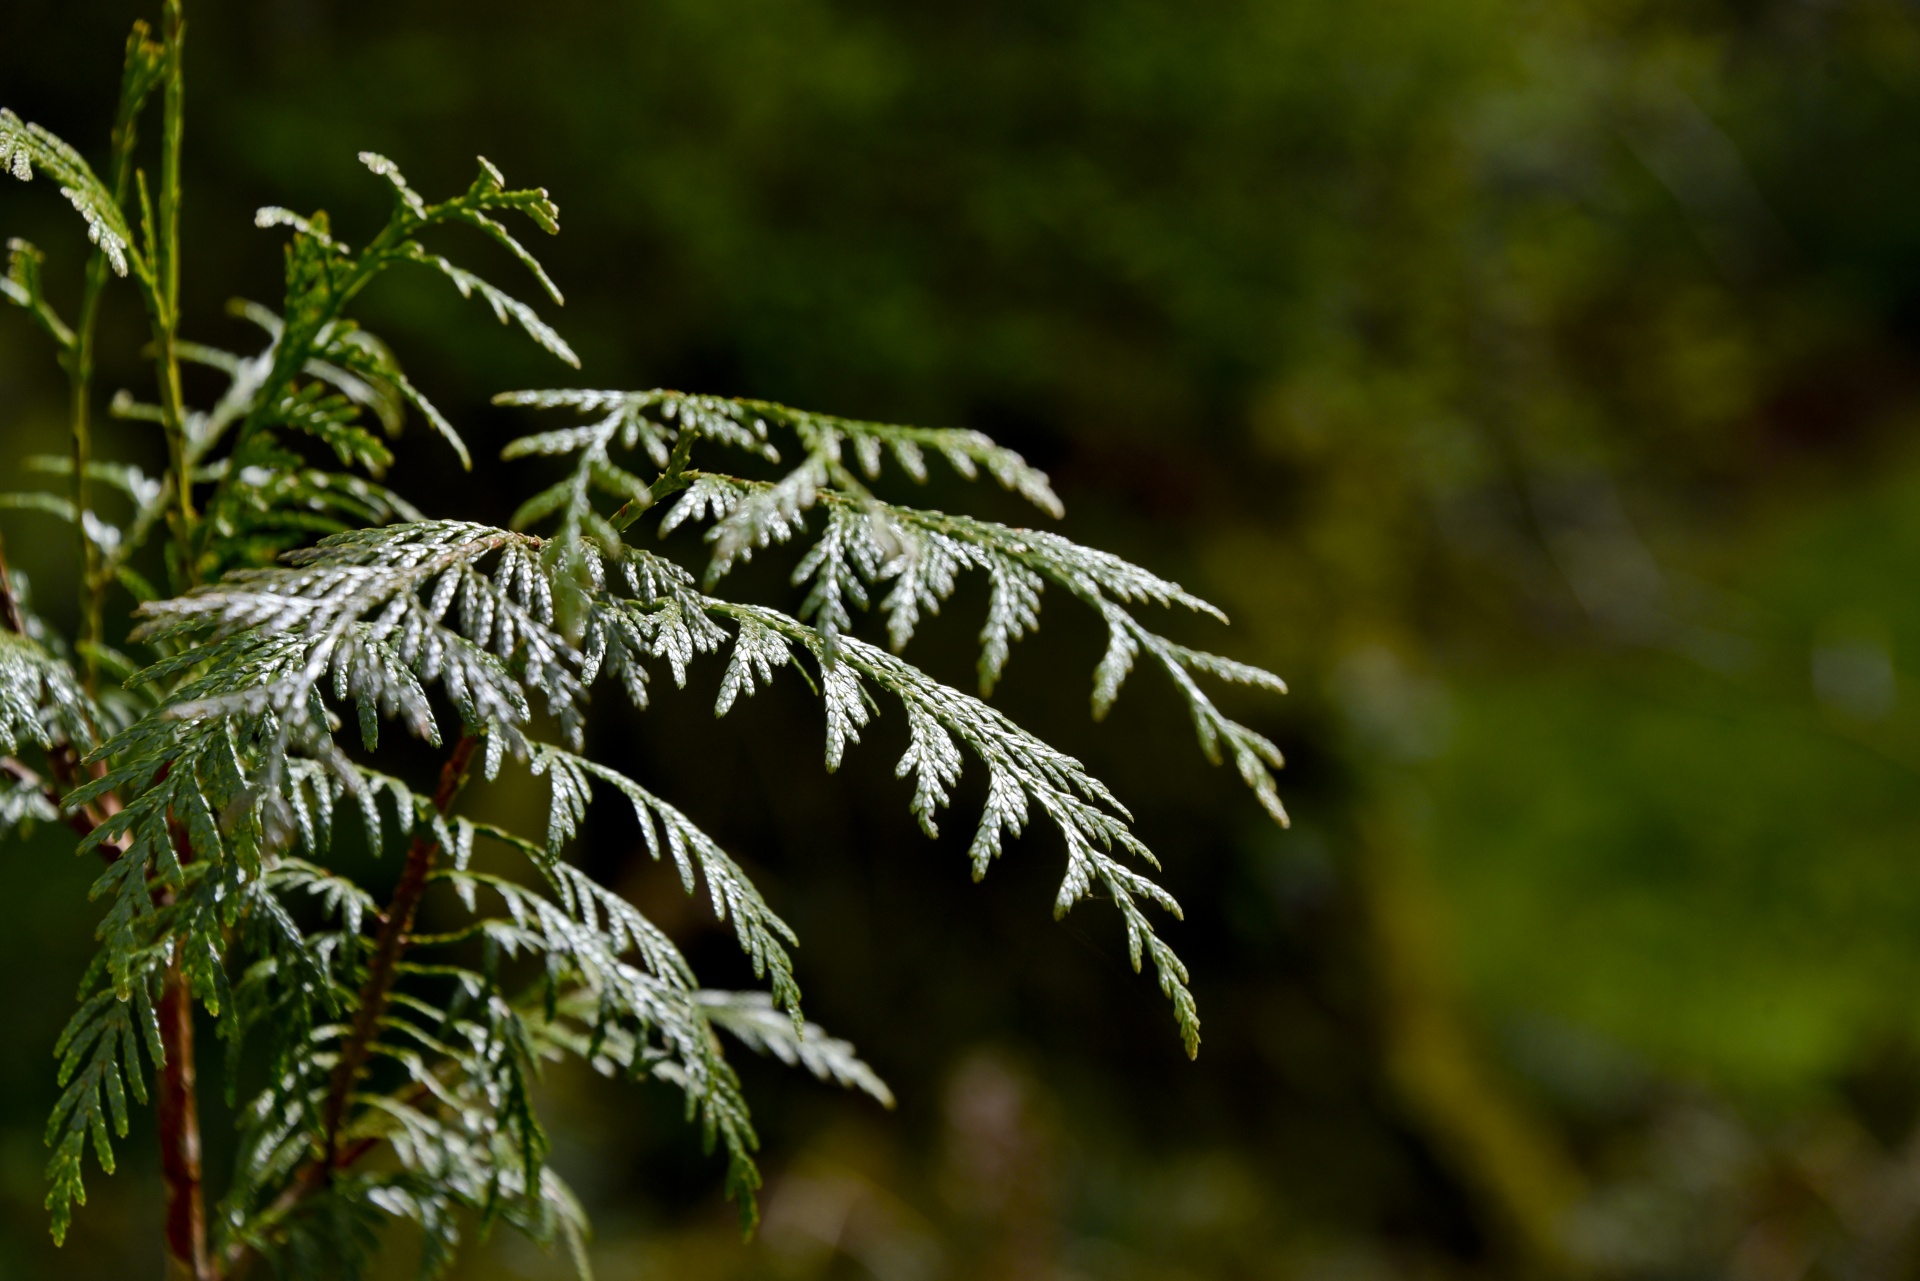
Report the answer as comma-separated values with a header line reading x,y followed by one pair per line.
x,y
396,923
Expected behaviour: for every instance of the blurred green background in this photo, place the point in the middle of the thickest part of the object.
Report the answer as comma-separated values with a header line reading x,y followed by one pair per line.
x,y
1534,383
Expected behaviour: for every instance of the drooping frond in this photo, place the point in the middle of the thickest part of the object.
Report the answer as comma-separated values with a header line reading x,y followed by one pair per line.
x,y
912,560
760,515
751,1017
377,612
763,936
24,146
920,555
659,420
100,1065
505,306
489,192
648,420
662,424
1022,771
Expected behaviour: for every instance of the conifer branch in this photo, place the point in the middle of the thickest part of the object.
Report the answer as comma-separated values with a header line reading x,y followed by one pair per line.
x,y
308,598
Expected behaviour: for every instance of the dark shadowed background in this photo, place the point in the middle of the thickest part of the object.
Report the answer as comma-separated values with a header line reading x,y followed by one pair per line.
x,y
1535,385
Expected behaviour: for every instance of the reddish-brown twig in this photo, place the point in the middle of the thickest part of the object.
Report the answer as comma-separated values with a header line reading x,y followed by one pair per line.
x,y
392,941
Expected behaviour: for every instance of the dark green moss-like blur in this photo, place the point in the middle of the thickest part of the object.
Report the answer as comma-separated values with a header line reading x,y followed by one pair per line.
x,y
1534,383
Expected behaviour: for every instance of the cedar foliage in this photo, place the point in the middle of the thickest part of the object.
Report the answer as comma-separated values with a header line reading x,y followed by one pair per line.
x,y
210,752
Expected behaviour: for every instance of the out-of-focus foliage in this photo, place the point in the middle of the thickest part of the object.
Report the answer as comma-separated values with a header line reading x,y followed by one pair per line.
x,y
1530,382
